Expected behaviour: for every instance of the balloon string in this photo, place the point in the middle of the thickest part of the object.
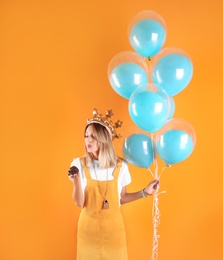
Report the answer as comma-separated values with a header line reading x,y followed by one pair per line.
x,y
156,175
155,207
151,172
156,222
166,166
155,161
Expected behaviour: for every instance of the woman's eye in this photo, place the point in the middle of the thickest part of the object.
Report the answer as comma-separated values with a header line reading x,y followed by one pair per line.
x,y
91,136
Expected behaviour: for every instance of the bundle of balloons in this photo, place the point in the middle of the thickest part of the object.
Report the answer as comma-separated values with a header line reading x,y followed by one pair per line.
x,y
150,90
149,77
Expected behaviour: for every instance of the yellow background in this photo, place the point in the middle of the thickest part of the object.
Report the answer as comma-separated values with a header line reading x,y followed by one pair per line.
x,y
53,71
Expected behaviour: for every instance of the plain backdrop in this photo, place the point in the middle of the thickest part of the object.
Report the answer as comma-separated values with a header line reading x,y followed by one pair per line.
x,y
54,57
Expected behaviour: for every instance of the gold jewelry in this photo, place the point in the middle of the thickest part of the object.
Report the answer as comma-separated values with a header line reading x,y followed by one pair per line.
x,y
110,126
105,204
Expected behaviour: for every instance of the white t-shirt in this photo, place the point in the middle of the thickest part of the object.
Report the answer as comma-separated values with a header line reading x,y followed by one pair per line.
x,y
124,177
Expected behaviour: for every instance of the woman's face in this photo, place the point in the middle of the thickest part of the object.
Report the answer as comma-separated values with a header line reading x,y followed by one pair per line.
x,y
91,142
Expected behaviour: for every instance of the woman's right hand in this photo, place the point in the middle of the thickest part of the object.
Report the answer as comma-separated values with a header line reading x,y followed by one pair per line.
x,y
73,172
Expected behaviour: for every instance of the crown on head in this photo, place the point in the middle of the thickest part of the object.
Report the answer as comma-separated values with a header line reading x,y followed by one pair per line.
x,y
106,122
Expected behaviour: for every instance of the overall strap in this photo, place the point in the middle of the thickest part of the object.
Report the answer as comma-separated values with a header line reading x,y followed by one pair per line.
x,y
115,172
117,168
85,168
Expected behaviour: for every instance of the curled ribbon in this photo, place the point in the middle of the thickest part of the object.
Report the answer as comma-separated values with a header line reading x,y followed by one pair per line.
x,y
156,222
155,208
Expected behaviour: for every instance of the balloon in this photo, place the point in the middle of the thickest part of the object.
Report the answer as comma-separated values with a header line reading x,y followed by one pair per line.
x,y
172,69
138,150
172,111
147,33
175,141
149,107
127,71
126,77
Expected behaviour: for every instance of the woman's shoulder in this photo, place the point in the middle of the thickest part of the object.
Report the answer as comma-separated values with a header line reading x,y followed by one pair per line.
x,y
124,174
122,161
77,161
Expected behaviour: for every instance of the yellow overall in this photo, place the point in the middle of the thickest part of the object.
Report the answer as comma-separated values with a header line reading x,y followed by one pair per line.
x,y
101,232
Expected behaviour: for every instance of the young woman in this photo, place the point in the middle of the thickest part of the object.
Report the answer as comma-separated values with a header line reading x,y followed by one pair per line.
x,y
100,179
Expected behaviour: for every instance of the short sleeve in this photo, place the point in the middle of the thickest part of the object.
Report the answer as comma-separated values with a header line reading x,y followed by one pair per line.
x,y
124,175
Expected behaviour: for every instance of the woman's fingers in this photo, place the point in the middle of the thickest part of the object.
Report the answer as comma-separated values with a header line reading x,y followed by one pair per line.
x,y
73,171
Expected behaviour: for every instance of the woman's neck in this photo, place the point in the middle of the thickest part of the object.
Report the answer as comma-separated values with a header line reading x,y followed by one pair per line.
x,y
95,156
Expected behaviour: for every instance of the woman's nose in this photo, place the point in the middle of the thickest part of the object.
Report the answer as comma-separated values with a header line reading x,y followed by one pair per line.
x,y
90,139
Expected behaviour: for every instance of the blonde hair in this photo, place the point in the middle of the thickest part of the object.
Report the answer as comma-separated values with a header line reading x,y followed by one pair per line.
x,y
107,157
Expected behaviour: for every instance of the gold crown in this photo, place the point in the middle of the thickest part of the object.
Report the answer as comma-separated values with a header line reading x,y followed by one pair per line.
x,y
106,122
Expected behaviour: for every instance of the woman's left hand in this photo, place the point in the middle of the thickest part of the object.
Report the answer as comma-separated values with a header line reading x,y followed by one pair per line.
x,y
151,187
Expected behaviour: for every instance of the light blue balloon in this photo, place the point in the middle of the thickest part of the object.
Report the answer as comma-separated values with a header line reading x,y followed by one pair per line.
x,y
126,77
147,37
148,110
172,109
173,73
174,146
138,150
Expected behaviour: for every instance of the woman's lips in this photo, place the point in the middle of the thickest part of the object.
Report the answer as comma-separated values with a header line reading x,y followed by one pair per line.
x,y
89,146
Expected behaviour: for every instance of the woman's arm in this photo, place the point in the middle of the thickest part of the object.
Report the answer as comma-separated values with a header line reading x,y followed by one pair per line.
x,y
129,197
78,196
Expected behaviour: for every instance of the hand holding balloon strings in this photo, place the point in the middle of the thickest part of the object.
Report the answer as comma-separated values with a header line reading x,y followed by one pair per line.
x,y
152,187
